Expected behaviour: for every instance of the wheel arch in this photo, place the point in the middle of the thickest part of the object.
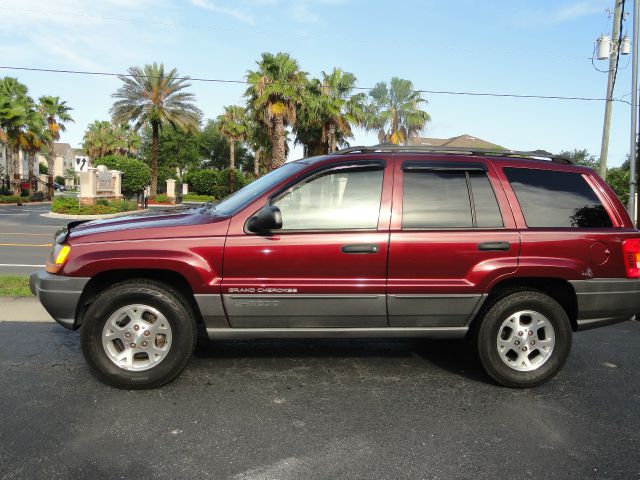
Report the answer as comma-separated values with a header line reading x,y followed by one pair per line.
x,y
107,278
557,288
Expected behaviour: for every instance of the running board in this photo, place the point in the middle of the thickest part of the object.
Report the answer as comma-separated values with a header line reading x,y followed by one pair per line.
x,y
385,332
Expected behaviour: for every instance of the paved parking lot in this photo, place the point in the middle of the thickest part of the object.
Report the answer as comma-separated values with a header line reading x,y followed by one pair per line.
x,y
319,409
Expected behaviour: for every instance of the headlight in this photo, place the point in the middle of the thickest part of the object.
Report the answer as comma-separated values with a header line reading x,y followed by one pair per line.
x,y
57,257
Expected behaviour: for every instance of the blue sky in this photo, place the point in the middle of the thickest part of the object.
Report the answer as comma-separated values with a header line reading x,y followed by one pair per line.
x,y
526,47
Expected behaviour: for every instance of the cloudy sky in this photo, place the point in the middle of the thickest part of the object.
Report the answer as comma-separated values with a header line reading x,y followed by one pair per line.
x,y
541,47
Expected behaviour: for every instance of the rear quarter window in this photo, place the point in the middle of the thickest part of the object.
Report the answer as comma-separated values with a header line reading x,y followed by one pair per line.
x,y
550,199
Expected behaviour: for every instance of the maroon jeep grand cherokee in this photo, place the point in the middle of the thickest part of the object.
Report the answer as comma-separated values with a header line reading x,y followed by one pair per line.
x,y
515,250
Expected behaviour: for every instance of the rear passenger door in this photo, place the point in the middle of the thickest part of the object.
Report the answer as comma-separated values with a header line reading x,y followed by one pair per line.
x,y
452,235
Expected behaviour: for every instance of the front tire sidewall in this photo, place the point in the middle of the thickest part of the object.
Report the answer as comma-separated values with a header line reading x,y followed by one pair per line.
x,y
182,328
487,339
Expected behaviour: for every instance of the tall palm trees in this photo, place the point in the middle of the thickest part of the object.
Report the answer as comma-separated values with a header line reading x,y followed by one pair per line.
x,y
17,112
55,113
233,126
103,138
275,93
152,96
394,111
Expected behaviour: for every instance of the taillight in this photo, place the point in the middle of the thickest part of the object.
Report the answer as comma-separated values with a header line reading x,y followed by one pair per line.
x,y
631,252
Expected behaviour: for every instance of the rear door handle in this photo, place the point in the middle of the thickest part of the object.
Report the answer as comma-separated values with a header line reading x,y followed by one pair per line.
x,y
498,246
360,248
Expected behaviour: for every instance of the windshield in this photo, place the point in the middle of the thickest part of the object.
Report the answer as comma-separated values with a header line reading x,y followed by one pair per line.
x,y
246,195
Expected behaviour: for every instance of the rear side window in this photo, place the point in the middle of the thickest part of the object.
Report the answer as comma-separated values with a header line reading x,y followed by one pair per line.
x,y
448,199
557,199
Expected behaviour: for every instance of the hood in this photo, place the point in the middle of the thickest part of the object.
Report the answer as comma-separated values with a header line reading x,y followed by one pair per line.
x,y
152,225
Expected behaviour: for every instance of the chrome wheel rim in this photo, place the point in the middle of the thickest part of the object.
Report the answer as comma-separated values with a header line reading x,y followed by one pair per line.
x,y
136,337
526,340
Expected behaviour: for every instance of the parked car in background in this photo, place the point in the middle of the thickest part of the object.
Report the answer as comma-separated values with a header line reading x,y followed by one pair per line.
x,y
58,187
514,250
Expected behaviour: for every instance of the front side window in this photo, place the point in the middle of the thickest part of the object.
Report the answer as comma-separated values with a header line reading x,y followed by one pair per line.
x,y
557,199
336,200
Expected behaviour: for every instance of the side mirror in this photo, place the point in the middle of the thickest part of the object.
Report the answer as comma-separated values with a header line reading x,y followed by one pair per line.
x,y
268,218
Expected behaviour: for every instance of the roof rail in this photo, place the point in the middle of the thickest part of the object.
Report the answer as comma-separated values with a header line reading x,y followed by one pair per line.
x,y
387,147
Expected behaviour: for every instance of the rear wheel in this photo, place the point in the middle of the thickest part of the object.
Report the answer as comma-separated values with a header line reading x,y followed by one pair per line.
x,y
138,334
524,339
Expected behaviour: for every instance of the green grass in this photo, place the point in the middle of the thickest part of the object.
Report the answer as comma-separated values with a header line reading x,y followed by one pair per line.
x,y
14,286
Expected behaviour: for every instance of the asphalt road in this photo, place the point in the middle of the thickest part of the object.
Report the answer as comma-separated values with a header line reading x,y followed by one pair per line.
x,y
25,237
319,409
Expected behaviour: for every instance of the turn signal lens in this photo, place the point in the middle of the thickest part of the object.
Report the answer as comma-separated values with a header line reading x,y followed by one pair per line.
x,y
631,252
57,258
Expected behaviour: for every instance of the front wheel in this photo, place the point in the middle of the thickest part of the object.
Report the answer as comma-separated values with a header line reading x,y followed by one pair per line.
x,y
138,334
524,339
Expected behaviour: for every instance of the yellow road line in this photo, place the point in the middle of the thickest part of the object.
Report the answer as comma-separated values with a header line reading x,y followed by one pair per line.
x,y
25,245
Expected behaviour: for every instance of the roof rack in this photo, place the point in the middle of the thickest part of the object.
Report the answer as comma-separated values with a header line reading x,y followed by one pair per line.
x,y
385,147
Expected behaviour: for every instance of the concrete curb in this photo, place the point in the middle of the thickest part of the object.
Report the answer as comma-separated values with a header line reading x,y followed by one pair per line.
x,y
88,217
23,309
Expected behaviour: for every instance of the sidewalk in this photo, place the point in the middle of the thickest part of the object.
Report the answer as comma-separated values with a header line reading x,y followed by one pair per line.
x,y
22,309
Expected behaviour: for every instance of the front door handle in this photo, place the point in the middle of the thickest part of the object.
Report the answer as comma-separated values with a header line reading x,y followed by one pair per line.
x,y
360,248
498,246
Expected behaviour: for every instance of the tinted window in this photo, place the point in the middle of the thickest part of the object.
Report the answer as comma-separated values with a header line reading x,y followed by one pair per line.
x,y
435,199
337,200
484,200
557,199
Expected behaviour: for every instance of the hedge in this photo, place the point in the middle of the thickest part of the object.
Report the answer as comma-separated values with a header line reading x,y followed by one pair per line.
x,y
214,182
69,205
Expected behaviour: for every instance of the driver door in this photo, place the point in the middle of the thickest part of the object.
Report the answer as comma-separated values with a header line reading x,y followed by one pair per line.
x,y
326,266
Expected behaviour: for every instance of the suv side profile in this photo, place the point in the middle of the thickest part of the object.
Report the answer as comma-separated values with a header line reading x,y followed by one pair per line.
x,y
515,250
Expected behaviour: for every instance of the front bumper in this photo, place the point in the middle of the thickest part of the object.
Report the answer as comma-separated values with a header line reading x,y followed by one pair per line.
x,y
603,301
59,295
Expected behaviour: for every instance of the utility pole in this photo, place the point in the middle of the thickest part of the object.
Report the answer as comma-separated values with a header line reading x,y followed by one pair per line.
x,y
615,35
634,117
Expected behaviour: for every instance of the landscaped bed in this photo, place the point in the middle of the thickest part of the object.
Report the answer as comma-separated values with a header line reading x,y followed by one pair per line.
x,y
14,286
70,206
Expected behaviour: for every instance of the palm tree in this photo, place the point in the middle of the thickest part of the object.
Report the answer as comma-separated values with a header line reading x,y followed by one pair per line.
x,y
275,93
17,111
233,127
103,138
329,112
32,142
155,97
394,111
54,113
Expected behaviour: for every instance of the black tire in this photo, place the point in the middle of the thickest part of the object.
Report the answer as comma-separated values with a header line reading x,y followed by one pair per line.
x,y
500,310
169,302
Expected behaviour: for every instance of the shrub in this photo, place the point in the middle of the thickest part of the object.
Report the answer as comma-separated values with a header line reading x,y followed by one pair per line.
x,y
43,169
12,199
69,205
136,175
214,182
59,180
194,197
36,197
162,198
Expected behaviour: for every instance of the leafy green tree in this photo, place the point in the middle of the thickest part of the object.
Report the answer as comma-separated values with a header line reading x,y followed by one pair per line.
x,y
152,96
233,127
55,113
395,111
215,150
135,173
275,93
581,157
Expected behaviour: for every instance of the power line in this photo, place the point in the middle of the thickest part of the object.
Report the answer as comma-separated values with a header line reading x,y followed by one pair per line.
x,y
615,70
244,82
